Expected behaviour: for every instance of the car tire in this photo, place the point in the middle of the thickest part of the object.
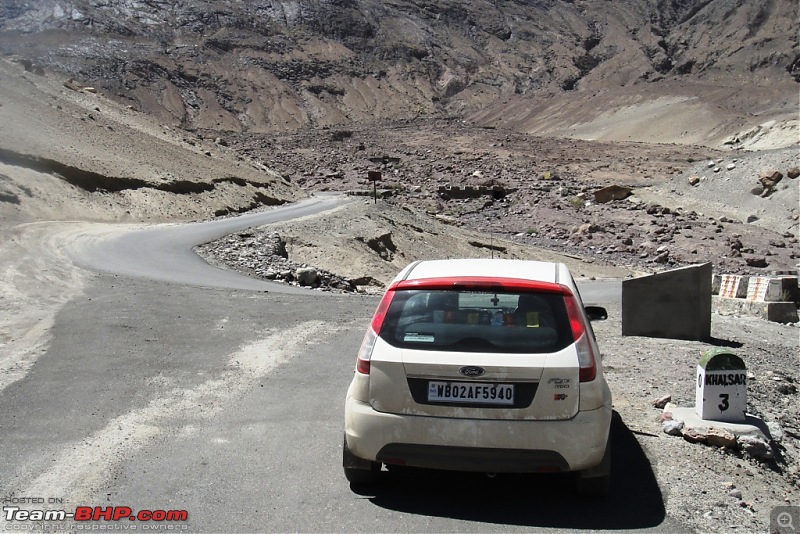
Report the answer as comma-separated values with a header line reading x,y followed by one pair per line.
x,y
358,471
596,482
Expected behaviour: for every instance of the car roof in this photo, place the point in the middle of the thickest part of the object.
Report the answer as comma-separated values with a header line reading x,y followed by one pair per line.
x,y
523,269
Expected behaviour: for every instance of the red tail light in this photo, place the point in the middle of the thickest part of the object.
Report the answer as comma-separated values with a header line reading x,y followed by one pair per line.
x,y
586,356
365,352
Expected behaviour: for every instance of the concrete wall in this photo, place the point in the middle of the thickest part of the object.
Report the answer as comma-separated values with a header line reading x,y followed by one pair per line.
x,y
674,304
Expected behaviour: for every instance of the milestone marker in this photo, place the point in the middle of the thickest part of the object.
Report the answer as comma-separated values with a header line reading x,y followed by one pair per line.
x,y
721,387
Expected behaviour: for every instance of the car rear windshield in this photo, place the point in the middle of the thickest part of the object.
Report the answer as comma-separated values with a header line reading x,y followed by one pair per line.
x,y
466,321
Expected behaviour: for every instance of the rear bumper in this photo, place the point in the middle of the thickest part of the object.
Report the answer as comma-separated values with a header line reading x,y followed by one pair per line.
x,y
477,445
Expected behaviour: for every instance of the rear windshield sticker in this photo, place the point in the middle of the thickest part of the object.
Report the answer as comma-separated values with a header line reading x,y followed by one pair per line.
x,y
417,337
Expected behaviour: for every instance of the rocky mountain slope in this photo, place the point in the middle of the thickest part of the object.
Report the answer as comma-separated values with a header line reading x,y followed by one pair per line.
x,y
68,152
704,70
669,208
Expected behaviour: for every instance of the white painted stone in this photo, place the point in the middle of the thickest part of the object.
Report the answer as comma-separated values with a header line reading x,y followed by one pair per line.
x,y
721,393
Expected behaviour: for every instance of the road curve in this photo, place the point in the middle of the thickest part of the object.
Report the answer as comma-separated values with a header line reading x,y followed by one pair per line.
x,y
164,252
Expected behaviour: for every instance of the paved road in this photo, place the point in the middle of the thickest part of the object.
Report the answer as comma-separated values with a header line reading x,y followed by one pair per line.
x,y
227,403
164,253
600,291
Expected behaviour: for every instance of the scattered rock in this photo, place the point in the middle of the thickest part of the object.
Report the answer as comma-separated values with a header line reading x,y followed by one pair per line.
x,y
588,228
694,180
719,437
793,173
694,435
662,257
756,261
755,447
662,401
72,85
768,181
672,427
775,431
735,493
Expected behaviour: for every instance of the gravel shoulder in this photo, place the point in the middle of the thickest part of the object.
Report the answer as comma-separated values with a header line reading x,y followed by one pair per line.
x,y
699,482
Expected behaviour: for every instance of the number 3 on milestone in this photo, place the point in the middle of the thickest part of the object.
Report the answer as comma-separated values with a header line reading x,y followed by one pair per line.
x,y
724,404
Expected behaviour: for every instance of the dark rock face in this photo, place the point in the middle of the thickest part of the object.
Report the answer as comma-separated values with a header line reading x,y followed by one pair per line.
x,y
265,65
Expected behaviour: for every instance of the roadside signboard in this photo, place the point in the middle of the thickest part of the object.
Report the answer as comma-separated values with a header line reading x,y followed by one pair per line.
x,y
374,176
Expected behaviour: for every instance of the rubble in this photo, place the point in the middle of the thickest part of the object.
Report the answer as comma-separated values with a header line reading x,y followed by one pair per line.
x,y
264,255
508,196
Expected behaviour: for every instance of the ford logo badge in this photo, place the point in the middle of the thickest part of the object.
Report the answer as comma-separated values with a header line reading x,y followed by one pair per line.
x,y
471,371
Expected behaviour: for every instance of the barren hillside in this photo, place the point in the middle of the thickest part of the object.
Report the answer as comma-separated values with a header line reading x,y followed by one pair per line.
x,y
696,71
67,152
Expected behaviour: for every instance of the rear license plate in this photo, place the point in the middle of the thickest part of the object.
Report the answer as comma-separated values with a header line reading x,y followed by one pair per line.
x,y
468,392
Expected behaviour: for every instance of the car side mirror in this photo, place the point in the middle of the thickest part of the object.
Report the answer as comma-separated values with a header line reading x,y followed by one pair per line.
x,y
596,313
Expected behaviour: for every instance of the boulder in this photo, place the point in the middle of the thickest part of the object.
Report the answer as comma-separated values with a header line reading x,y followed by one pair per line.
x,y
612,192
770,179
755,261
306,276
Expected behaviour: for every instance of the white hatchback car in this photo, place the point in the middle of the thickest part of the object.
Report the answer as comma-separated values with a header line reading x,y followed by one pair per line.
x,y
480,365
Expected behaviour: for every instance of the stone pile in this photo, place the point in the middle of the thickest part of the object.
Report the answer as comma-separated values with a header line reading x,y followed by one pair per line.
x,y
751,446
264,255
